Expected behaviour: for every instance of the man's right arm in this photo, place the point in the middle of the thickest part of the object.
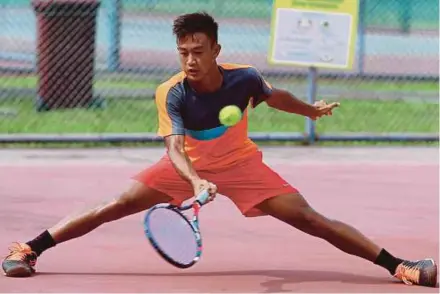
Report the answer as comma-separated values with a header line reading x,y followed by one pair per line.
x,y
183,166
179,158
171,128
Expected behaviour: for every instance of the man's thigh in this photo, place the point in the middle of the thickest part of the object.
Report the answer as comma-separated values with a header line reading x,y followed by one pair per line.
x,y
250,183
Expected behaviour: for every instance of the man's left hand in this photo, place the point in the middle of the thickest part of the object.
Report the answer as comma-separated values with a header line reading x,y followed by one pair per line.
x,y
322,108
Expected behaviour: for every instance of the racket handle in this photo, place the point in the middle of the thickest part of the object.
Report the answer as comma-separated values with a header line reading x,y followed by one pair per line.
x,y
202,198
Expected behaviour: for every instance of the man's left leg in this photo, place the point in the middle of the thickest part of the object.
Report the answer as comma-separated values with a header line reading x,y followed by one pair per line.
x,y
257,190
294,210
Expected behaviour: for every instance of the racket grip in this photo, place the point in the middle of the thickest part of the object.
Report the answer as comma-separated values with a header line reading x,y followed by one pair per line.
x,y
202,198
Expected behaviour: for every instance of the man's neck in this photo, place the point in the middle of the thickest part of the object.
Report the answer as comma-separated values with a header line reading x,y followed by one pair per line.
x,y
211,83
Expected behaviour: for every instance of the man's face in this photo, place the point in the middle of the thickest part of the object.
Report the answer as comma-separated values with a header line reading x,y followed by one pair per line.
x,y
197,55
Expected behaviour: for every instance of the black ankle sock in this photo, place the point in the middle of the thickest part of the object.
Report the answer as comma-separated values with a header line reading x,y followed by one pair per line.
x,y
387,261
42,243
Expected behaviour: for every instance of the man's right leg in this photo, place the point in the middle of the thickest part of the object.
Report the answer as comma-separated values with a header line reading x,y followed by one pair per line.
x,y
137,198
22,258
157,184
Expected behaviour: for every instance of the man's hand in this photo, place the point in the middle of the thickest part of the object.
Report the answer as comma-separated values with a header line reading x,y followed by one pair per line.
x,y
322,108
199,185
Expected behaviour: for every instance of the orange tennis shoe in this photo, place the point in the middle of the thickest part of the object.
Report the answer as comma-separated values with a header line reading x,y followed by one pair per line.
x,y
20,261
420,272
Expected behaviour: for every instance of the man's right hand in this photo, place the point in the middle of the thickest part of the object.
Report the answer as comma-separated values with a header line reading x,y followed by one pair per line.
x,y
199,185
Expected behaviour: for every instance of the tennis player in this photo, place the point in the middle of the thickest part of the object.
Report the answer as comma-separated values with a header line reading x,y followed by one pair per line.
x,y
202,154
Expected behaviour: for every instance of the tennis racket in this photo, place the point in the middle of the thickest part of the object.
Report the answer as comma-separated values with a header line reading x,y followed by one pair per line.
x,y
174,236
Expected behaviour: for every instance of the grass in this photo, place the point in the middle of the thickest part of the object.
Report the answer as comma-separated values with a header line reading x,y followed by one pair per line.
x,y
123,81
126,115
139,115
30,82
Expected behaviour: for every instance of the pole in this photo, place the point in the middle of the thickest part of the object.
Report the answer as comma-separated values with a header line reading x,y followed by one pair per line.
x,y
114,26
405,15
361,36
311,98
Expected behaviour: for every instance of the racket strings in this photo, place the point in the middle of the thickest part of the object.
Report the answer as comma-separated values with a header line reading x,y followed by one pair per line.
x,y
173,235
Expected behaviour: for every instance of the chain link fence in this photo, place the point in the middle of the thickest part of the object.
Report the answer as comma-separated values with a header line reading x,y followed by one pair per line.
x,y
107,59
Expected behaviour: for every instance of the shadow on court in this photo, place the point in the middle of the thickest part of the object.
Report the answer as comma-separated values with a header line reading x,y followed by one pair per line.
x,y
285,276
275,280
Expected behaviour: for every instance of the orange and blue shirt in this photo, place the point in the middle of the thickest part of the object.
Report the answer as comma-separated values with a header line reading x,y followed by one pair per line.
x,y
209,144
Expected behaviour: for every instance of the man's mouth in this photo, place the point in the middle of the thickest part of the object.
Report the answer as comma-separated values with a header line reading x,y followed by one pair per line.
x,y
192,71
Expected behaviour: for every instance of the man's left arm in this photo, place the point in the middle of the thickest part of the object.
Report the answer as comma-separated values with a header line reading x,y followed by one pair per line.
x,y
287,102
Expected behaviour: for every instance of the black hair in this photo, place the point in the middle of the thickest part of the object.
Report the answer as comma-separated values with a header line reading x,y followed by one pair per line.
x,y
198,22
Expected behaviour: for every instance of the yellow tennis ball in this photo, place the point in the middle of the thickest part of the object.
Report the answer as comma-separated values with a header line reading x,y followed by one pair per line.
x,y
230,115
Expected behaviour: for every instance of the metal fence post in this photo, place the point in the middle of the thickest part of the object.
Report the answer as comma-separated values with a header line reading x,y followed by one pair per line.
x,y
114,26
361,37
405,15
311,98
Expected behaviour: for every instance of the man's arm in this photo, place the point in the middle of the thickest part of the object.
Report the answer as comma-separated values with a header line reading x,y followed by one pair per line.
x,y
285,101
171,128
179,158
183,165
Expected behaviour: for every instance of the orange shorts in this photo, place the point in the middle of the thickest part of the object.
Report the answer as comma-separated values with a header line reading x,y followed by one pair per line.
x,y
247,183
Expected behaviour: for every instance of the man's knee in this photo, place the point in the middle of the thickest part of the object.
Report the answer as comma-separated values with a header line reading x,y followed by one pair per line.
x,y
138,197
293,209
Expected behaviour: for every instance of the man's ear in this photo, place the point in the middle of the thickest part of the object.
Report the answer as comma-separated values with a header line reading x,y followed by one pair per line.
x,y
217,49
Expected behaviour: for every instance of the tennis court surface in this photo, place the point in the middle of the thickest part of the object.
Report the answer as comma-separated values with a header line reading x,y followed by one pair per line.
x,y
390,194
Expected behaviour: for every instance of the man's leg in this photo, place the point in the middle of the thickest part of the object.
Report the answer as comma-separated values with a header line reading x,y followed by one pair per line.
x,y
254,188
137,198
294,210
157,184
22,258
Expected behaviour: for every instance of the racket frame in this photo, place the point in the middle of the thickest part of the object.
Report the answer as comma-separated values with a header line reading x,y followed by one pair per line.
x,y
193,223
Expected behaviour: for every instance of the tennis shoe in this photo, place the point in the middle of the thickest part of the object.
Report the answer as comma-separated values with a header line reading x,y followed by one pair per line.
x,y
420,272
20,262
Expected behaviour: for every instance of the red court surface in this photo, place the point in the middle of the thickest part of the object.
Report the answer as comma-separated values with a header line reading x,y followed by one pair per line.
x,y
391,195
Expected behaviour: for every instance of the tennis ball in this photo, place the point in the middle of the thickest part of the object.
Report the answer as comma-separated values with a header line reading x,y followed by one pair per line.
x,y
230,115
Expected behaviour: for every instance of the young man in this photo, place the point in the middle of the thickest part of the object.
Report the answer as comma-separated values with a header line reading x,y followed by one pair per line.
x,y
202,154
